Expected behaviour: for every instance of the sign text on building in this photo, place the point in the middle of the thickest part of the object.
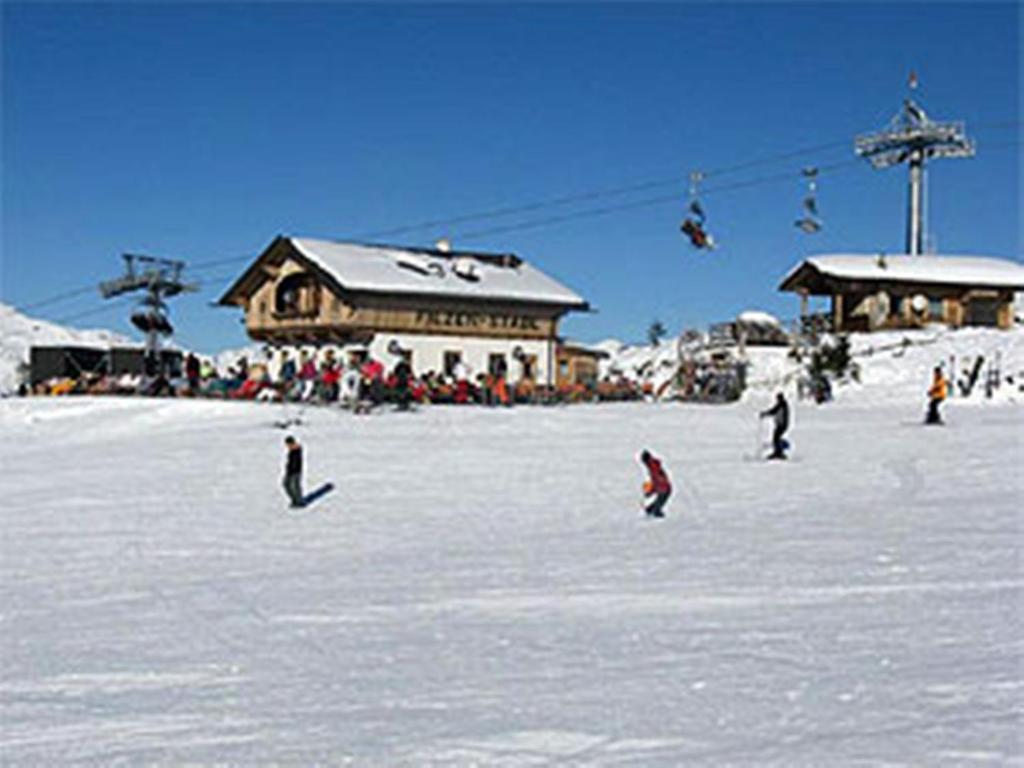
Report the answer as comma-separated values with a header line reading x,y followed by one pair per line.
x,y
476,320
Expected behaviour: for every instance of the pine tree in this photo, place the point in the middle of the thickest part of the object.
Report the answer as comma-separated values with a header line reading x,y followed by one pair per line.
x,y
655,332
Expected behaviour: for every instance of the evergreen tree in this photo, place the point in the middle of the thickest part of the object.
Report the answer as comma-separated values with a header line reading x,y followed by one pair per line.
x,y
655,333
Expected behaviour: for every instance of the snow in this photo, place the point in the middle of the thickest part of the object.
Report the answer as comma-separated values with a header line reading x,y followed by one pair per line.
x,y
226,359
757,317
19,333
481,588
959,270
656,363
894,366
379,268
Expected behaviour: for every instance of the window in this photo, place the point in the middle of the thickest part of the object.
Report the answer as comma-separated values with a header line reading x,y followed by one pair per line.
x,y
496,365
529,367
982,311
935,309
294,295
451,361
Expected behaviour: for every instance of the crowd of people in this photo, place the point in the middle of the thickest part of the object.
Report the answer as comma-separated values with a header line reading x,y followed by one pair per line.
x,y
360,382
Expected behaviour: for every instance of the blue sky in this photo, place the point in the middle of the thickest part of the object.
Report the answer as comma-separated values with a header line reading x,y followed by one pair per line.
x,y
200,131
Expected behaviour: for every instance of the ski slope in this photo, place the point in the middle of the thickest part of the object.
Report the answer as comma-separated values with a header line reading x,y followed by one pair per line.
x,y
481,589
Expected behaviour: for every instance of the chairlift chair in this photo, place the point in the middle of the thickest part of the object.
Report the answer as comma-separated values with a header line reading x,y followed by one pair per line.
x,y
693,224
810,223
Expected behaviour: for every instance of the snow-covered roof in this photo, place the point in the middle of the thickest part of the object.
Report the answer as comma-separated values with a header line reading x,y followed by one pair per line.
x,y
578,346
946,270
757,317
393,269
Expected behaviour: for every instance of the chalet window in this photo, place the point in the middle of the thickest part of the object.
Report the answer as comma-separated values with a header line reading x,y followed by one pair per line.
x,y
295,295
528,365
451,360
982,311
496,365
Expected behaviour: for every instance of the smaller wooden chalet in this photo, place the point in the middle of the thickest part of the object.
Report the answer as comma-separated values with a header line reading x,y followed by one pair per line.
x,y
436,307
882,292
578,363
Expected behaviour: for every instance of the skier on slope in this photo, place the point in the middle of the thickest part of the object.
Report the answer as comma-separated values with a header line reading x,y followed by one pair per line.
x,y
936,394
780,412
293,471
657,485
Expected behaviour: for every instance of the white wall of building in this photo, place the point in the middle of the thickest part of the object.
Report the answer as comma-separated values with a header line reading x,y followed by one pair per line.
x,y
428,353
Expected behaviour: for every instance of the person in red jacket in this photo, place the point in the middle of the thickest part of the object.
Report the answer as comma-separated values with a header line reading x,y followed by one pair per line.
x,y
658,486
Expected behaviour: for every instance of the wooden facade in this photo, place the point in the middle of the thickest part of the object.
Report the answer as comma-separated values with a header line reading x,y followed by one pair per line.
x,y
287,299
578,364
505,317
888,304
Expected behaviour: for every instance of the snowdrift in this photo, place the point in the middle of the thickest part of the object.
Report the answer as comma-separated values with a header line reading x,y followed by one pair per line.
x,y
893,365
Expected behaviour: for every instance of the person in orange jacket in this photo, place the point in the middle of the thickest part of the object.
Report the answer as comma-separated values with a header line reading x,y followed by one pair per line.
x,y
936,394
658,485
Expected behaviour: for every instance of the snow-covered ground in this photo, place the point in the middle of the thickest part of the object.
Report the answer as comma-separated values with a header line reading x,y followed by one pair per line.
x,y
895,366
482,590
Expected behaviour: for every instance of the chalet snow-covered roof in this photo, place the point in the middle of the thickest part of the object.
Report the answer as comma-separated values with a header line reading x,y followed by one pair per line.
x,y
979,271
427,271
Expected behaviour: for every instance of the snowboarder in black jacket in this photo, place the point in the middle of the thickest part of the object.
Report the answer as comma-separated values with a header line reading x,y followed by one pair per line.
x,y
293,471
780,412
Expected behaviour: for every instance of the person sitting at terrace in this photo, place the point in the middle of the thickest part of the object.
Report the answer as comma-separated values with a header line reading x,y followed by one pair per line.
x,y
286,373
307,376
330,376
373,380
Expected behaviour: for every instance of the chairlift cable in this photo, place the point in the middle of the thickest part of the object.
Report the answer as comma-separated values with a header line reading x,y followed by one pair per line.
x,y
646,202
553,202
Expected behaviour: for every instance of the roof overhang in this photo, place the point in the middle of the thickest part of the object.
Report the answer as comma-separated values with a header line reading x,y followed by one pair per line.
x,y
826,275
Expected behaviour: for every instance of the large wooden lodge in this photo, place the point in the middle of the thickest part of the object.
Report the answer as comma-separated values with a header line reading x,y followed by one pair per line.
x,y
881,292
436,306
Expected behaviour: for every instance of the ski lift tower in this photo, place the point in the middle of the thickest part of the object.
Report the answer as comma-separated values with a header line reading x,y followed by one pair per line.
x,y
160,279
912,137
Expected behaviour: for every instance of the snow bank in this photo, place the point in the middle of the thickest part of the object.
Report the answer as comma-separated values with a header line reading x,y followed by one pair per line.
x,y
18,333
893,365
